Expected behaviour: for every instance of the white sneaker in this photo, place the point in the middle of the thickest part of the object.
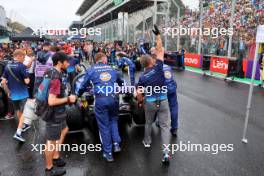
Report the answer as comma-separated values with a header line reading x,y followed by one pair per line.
x,y
19,138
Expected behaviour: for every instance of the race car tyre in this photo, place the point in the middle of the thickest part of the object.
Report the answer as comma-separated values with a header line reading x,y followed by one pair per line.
x,y
75,118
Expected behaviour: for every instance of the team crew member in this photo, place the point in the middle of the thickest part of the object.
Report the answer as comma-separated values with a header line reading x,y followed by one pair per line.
x,y
172,98
74,66
155,103
56,127
103,78
122,61
182,53
172,94
15,80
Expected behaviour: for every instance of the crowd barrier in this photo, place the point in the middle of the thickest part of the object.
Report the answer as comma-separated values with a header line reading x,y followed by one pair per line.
x,y
215,64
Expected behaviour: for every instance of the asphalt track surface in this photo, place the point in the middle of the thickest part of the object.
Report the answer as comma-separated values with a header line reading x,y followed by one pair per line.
x,y
210,112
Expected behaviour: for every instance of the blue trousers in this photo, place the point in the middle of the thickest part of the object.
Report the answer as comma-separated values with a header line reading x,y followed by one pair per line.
x,y
173,104
106,113
182,61
132,75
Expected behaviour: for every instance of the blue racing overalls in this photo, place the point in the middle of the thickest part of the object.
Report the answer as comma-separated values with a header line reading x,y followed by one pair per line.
x,y
182,57
172,95
104,78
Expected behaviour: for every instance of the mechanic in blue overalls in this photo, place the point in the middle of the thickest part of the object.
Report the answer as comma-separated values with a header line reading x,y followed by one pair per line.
x,y
182,53
172,94
104,78
122,61
172,98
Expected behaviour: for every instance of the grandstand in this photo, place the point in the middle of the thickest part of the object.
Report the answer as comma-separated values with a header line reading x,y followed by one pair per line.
x,y
125,19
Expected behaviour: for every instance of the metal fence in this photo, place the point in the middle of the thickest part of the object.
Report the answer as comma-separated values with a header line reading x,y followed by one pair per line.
x,y
171,14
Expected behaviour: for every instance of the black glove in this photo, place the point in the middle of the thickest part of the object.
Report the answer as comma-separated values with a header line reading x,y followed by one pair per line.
x,y
156,30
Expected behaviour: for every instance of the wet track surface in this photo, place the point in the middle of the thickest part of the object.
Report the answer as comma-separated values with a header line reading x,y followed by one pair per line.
x,y
210,112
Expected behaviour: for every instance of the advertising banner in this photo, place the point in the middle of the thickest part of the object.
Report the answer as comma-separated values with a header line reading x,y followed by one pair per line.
x,y
192,60
219,65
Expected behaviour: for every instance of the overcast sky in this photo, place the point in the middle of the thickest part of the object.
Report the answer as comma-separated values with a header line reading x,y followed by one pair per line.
x,y
45,13
50,13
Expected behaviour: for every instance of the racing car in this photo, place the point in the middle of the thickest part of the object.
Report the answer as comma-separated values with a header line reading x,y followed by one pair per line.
x,y
82,114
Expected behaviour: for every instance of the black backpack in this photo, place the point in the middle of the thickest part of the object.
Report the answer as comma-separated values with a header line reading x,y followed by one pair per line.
x,y
42,108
